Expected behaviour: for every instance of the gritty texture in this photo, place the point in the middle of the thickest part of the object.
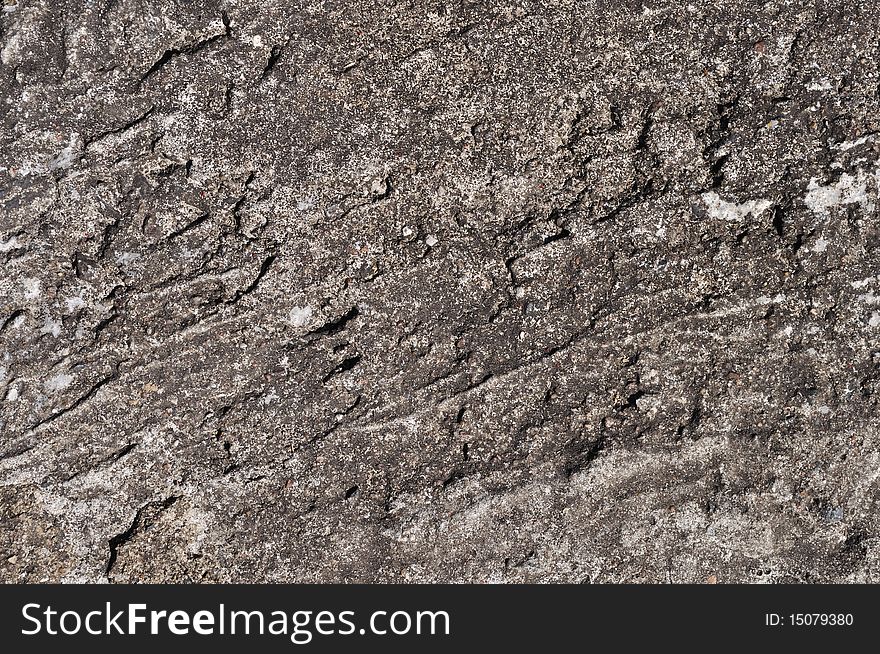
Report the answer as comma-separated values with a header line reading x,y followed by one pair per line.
x,y
520,291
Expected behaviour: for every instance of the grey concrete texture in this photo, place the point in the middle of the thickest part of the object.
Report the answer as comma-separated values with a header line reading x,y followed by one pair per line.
x,y
439,291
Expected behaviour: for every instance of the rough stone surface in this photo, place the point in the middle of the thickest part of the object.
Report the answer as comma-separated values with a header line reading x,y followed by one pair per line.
x,y
580,291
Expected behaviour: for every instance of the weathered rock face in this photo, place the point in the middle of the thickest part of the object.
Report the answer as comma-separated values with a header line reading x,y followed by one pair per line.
x,y
439,291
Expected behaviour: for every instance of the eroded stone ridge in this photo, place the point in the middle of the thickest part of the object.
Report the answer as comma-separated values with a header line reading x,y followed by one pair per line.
x,y
439,291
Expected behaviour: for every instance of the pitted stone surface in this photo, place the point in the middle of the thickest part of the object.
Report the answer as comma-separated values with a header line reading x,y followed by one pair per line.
x,y
439,291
